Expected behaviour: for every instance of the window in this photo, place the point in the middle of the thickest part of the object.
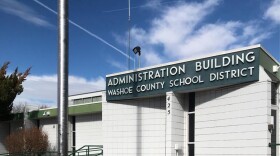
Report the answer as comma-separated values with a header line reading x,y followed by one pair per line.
x,y
78,101
191,127
97,99
274,133
191,113
74,133
191,149
88,100
274,93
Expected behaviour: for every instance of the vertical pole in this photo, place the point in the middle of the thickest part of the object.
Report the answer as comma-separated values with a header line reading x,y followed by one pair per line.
x,y
128,51
134,61
63,78
139,61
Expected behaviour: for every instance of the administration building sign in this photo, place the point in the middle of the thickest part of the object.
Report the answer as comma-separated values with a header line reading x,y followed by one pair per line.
x,y
216,71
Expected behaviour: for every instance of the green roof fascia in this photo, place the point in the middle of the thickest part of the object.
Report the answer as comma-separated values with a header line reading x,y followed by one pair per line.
x,y
267,62
39,113
72,110
85,109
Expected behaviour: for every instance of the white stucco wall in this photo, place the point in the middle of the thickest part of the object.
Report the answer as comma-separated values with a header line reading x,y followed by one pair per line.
x,y
175,123
4,128
49,126
233,120
134,127
89,130
228,121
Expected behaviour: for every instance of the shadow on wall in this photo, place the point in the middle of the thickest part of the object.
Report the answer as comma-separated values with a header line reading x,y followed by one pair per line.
x,y
219,92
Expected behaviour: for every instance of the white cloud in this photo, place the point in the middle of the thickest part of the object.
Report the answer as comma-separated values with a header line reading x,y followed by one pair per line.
x,y
179,21
122,66
23,11
153,4
180,31
273,12
152,58
43,89
210,38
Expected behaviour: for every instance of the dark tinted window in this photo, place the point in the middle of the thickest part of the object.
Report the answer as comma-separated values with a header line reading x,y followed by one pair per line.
x,y
191,127
191,102
191,149
273,93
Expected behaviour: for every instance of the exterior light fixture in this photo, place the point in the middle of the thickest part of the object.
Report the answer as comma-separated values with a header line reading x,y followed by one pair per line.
x,y
136,50
46,113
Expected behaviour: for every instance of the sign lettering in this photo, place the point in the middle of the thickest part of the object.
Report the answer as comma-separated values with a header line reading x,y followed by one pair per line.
x,y
216,71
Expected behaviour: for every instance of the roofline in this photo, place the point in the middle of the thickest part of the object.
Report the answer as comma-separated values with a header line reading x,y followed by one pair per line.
x,y
269,55
87,93
89,108
75,105
191,59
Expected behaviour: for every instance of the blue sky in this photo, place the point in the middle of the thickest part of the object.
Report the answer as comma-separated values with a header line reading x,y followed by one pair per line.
x,y
166,30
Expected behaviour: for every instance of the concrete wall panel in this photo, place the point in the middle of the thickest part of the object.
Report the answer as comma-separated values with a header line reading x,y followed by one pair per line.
x,y
49,126
134,127
233,120
89,130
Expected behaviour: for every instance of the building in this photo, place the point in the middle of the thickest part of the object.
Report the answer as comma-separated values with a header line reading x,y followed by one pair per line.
x,y
223,104
85,122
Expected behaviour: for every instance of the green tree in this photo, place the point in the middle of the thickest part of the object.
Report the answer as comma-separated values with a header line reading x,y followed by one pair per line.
x,y
10,87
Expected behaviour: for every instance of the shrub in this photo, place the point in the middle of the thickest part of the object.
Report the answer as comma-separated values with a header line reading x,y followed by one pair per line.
x,y
27,141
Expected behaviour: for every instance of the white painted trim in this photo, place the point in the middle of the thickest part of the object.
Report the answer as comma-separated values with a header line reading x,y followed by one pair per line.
x,y
195,58
85,104
85,95
53,107
274,107
74,105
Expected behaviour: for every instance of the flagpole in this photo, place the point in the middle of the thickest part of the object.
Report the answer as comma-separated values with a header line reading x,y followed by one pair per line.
x,y
62,96
128,50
